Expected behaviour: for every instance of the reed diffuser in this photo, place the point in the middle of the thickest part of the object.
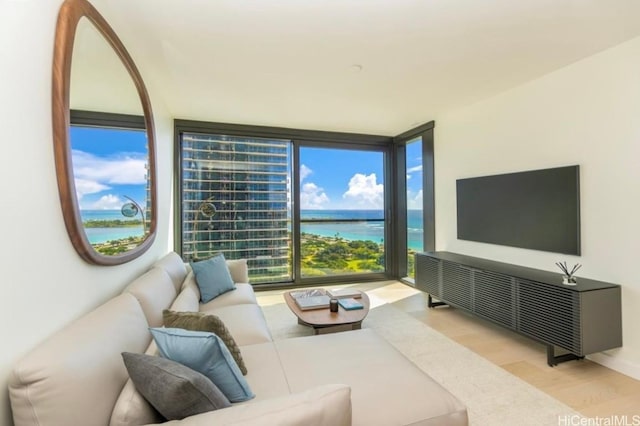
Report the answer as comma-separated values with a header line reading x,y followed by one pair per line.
x,y
568,278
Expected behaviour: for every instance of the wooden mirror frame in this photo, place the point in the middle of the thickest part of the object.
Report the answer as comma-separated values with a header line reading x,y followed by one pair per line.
x,y
69,16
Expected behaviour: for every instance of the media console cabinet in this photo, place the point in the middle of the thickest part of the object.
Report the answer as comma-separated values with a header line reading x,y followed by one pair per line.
x,y
576,320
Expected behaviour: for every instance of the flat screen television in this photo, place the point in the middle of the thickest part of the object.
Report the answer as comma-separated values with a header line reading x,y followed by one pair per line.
x,y
538,209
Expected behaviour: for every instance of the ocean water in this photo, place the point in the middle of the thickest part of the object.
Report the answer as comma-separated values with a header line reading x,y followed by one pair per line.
x,y
102,235
373,231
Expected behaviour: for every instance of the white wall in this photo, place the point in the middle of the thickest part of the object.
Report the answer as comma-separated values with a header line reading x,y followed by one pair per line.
x,y
588,114
44,283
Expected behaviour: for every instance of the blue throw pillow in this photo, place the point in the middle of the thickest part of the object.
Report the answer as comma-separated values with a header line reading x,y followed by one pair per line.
x,y
213,277
207,354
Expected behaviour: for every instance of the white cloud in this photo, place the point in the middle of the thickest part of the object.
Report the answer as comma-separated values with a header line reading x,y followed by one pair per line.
x,y
304,172
411,170
124,168
313,197
414,201
84,186
365,192
107,202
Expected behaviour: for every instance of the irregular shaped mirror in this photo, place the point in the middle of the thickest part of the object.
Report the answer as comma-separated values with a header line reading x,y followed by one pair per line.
x,y
103,140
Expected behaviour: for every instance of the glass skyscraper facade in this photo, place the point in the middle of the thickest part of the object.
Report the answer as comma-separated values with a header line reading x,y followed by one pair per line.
x,y
236,201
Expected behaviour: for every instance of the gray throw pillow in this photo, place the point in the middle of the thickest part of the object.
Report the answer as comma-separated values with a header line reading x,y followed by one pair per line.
x,y
173,389
199,321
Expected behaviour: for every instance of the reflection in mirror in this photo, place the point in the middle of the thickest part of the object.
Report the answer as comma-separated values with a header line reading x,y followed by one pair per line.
x,y
103,140
99,79
110,169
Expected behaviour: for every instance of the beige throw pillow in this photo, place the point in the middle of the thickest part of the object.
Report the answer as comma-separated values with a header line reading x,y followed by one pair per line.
x,y
198,321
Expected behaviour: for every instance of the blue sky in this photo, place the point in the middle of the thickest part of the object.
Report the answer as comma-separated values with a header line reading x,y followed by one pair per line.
x,y
108,165
414,175
334,179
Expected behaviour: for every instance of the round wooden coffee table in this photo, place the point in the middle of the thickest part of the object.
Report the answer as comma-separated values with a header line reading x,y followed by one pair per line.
x,y
324,321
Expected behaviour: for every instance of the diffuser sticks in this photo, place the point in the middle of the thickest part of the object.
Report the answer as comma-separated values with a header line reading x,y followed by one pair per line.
x,y
568,274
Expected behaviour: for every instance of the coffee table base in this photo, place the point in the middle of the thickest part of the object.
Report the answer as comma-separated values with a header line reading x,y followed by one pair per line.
x,y
326,329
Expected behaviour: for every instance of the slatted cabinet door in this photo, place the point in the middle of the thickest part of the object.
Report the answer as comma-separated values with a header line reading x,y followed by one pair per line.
x,y
494,297
428,271
457,290
550,314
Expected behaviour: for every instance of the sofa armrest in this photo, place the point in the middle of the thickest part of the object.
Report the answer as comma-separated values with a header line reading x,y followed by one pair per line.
x,y
326,405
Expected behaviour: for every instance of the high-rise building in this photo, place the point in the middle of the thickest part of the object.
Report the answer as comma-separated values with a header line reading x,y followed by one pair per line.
x,y
236,200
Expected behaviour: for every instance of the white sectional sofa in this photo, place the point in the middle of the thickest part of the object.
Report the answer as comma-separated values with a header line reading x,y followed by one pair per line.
x,y
77,376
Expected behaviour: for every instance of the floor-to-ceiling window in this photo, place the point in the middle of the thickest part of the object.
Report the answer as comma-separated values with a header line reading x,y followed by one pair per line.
x,y
236,196
414,198
415,208
342,211
304,207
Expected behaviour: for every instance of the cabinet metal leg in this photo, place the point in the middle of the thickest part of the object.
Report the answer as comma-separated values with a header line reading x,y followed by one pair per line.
x,y
433,304
553,359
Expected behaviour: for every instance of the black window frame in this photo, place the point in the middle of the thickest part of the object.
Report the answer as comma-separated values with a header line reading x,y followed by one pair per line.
x,y
394,183
426,133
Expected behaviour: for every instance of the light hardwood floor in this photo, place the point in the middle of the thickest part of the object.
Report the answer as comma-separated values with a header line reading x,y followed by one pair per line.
x,y
587,387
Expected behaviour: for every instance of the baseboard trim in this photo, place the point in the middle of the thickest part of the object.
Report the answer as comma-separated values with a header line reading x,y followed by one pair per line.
x,y
621,366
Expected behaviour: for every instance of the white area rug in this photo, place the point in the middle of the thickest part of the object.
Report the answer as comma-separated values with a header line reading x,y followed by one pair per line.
x,y
492,395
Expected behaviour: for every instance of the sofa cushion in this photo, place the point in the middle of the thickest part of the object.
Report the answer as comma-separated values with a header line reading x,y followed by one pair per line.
x,y
76,375
370,365
174,266
238,270
213,277
265,376
198,321
189,298
326,405
245,322
155,292
243,294
131,408
175,390
207,354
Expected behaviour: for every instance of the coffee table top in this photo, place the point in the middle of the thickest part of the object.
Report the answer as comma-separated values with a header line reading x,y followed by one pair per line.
x,y
324,317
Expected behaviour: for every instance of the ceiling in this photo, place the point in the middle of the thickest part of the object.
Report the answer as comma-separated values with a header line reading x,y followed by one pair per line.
x,y
365,66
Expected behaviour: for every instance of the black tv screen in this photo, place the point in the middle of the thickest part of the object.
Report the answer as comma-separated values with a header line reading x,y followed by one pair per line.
x,y
538,210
